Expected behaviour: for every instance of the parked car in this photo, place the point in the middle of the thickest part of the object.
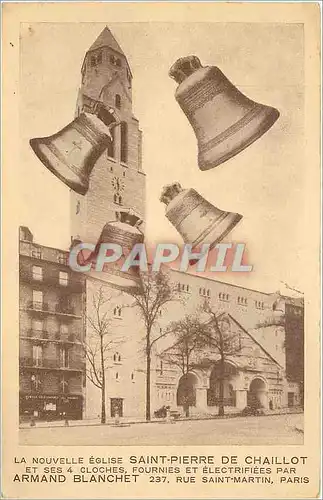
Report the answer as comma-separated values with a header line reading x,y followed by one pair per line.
x,y
162,412
252,410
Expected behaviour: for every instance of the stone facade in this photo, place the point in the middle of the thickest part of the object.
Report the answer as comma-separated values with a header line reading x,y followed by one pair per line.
x,y
268,366
261,366
117,180
51,360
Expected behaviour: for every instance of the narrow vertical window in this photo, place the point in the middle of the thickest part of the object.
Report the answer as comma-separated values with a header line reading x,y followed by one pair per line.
x,y
124,142
38,299
111,146
37,355
63,278
37,273
64,357
118,101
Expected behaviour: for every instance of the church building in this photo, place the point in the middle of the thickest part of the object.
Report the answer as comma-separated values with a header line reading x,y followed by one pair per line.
x,y
269,363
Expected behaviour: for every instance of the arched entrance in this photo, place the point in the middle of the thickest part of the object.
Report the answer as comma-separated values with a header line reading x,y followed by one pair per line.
x,y
257,396
214,391
186,392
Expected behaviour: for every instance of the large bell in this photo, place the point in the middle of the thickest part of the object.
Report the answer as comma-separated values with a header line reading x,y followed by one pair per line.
x,y
71,153
126,233
224,120
197,220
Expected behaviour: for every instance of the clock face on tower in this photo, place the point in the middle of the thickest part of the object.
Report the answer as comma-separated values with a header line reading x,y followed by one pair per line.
x,y
118,184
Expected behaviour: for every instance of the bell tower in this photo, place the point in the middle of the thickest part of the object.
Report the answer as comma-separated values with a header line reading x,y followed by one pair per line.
x,y
117,180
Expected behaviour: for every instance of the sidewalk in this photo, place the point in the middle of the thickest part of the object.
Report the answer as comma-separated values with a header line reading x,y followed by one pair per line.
x,y
140,420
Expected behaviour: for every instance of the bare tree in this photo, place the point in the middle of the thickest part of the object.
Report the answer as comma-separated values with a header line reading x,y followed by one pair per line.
x,y
155,292
98,343
225,343
190,334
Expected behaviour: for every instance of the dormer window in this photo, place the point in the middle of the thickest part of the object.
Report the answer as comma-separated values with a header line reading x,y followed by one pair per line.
x,y
93,61
99,58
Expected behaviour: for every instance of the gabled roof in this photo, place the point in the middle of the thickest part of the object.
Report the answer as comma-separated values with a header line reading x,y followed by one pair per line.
x,y
106,39
225,314
253,338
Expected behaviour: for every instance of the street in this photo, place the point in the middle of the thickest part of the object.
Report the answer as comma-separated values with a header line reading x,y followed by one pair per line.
x,y
266,430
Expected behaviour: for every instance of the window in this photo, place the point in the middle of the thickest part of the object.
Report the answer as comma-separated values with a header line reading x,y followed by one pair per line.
x,y
37,325
78,207
36,253
35,382
133,377
117,311
99,58
63,329
124,173
37,298
118,62
129,77
63,278
61,258
117,375
37,273
117,198
64,357
63,384
161,368
37,355
93,61
117,357
112,59
123,142
118,101
111,146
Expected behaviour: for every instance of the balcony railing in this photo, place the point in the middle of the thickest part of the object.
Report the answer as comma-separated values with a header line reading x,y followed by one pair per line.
x,y
52,364
72,284
37,334
40,335
38,306
49,308
64,309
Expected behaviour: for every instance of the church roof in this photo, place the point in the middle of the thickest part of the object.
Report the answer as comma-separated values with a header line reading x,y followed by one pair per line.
x,y
106,39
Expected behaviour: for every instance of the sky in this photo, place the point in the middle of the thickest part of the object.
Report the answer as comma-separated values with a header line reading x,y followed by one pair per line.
x,y
264,183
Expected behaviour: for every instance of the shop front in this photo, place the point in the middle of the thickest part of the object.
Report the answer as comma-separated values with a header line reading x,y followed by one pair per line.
x,y
49,407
